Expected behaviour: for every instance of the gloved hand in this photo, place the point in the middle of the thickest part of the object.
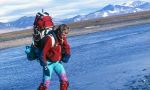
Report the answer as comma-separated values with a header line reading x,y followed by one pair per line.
x,y
46,70
65,58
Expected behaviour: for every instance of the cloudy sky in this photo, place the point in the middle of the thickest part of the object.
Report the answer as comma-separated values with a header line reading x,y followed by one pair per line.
x,y
13,9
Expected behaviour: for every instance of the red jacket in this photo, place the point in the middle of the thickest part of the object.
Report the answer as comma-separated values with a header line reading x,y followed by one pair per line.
x,y
54,53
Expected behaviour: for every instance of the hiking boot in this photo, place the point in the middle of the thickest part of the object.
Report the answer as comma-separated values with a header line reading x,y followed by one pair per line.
x,y
42,87
64,85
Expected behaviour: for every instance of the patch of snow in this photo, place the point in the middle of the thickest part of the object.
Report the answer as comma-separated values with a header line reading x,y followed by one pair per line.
x,y
128,4
91,27
105,14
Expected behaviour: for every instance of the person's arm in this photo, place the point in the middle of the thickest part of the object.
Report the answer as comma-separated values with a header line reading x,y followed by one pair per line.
x,y
66,49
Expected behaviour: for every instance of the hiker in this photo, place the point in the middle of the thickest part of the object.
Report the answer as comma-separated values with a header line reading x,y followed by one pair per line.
x,y
55,51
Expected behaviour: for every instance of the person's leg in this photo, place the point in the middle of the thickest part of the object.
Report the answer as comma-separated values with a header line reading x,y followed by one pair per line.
x,y
47,74
59,69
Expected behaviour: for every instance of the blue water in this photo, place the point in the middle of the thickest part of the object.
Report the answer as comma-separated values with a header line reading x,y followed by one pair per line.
x,y
90,54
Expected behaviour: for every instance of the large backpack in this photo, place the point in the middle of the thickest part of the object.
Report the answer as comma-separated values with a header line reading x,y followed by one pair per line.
x,y
42,25
43,21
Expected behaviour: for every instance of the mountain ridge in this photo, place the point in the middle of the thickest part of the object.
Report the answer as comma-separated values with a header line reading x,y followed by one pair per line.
x,y
108,10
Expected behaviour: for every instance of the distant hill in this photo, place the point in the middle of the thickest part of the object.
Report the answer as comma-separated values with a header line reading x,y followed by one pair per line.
x,y
109,10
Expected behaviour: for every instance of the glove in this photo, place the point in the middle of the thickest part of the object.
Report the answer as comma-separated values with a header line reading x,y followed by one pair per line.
x,y
65,58
46,70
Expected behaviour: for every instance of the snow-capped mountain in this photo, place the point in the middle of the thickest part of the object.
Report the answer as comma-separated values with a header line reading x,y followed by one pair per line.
x,y
109,10
134,3
23,22
138,4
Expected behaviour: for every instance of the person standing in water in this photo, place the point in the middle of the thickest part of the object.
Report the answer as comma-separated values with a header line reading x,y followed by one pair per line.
x,y
55,50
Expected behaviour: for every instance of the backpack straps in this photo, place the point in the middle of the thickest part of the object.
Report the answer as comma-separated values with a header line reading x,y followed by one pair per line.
x,y
52,35
53,40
